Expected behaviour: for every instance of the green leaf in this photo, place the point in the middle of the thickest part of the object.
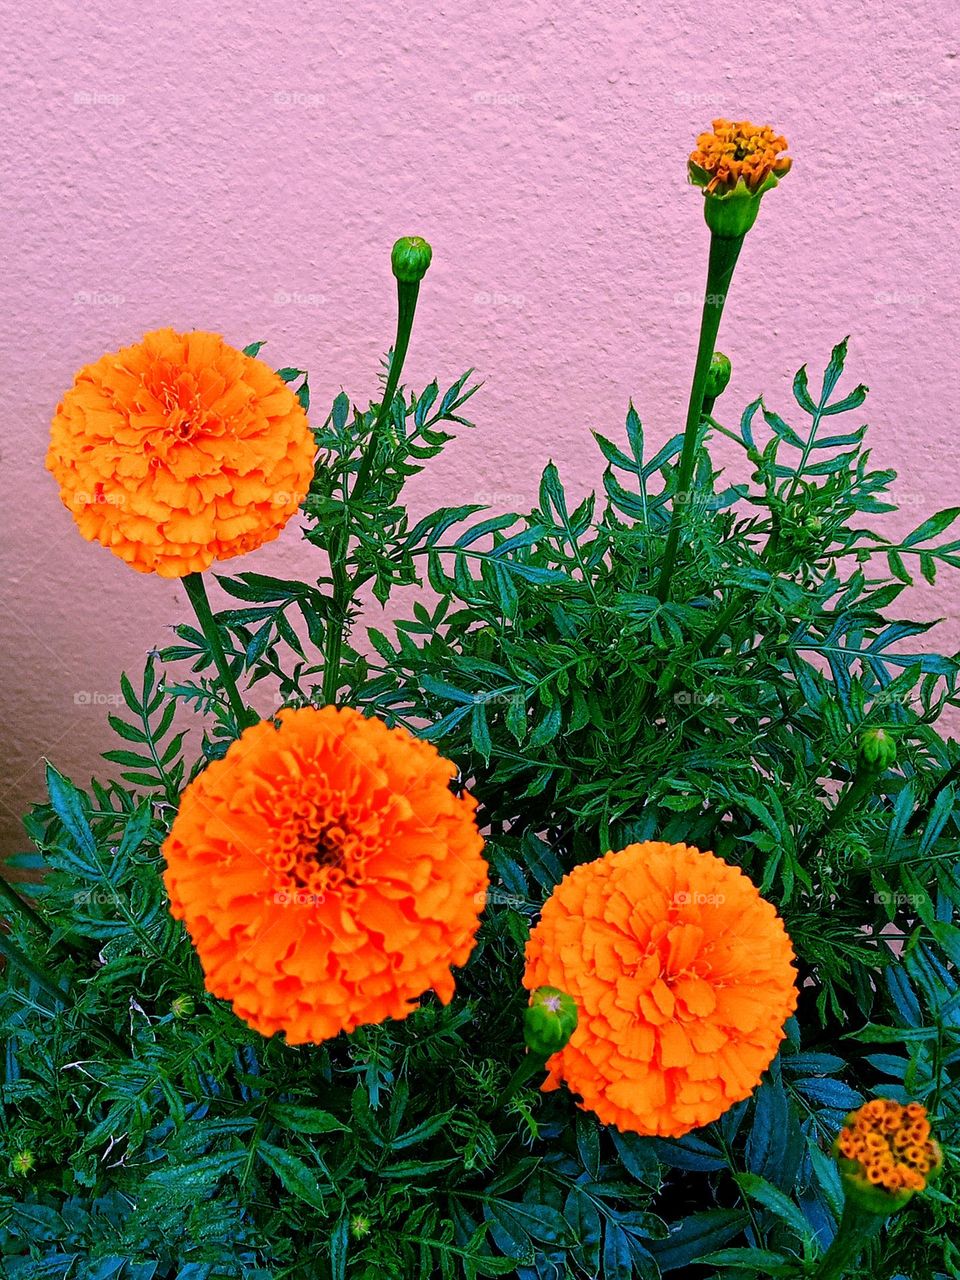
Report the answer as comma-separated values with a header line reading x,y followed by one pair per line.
x,y
68,806
772,1198
301,1119
297,1178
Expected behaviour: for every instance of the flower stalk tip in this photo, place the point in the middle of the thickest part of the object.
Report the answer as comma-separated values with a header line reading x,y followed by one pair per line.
x,y
735,165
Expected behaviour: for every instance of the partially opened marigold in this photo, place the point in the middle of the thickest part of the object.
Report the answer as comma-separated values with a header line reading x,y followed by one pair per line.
x,y
886,1154
735,165
326,873
738,153
180,450
683,976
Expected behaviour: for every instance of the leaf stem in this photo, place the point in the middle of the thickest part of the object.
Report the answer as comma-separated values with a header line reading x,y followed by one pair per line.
x,y
530,1065
724,251
196,590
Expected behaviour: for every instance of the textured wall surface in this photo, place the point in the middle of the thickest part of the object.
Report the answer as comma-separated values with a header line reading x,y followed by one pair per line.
x,y
245,167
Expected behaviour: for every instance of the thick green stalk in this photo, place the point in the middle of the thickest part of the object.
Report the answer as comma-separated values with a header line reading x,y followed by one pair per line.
x,y
406,307
864,781
194,585
857,1227
530,1065
407,292
724,251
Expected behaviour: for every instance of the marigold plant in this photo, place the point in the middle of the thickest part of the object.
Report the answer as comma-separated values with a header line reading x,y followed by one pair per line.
x,y
281,995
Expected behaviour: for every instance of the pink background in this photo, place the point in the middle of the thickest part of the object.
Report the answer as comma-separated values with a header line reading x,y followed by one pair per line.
x,y
246,167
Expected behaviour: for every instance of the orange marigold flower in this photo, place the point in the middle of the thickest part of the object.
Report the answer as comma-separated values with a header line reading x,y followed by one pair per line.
x,y
180,450
738,151
326,873
885,1153
683,977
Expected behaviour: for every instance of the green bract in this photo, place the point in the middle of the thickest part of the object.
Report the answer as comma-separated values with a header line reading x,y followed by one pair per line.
x,y
549,1021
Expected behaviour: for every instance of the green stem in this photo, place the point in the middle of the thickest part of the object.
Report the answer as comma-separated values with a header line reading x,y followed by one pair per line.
x,y
724,251
857,1227
922,811
406,307
15,956
530,1065
194,585
863,783
9,893
342,592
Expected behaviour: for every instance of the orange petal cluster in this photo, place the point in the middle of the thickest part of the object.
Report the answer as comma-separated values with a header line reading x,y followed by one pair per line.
x,y
326,873
889,1145
738,150
683,978
180,450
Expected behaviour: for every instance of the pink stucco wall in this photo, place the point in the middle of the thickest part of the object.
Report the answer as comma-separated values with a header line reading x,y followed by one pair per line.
x,y
246,166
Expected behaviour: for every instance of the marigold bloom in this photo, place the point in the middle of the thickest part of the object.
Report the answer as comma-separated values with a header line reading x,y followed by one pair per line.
x,y
326,873
180,450
885,1153
683,977
738,151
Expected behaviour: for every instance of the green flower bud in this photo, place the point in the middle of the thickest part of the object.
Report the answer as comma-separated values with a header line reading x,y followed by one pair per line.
x,y
878,749
360,1226
410,258
718,375
22,1163
549,1021
183,1007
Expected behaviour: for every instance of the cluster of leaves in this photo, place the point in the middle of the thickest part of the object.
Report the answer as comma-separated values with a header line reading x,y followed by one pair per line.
x,y
169,1140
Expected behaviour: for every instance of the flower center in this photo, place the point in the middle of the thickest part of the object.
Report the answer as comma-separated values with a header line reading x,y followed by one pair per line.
x,y
318,844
